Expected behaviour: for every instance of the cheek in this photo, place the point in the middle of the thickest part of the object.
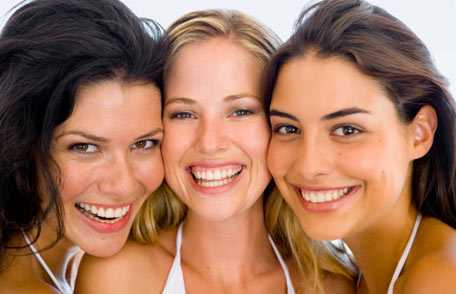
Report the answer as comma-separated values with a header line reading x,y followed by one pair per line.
x,y
280,157
382,166
74,179
151,172
253,137
176,143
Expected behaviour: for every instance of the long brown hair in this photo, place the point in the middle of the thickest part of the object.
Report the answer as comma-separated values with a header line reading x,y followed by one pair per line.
x,y
384,48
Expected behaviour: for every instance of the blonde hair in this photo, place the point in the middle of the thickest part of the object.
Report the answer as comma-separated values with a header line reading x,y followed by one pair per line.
x,y
163,209
202,25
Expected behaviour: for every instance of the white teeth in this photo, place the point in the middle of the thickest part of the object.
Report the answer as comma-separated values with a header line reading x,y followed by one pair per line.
x,y
215,177
324,196
216,174
109,213
101,212
118,212
112,213
214,183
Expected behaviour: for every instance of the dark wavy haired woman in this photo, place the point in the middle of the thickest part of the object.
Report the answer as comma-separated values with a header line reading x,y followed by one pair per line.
x,y
363,145
80,126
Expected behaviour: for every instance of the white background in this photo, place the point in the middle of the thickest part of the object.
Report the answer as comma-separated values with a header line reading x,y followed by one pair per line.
x,y
433,21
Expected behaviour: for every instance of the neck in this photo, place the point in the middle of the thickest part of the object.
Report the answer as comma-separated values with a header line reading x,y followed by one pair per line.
x,y
22,267
228,250
378,249
56,257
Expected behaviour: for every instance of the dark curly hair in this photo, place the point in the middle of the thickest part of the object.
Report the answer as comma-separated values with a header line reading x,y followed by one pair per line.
x,y
48,50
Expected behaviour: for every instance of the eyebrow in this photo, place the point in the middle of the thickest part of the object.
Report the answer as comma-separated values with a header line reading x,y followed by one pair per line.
x,y
274,112
228,98
332,115
344,112
240,96
104,140
184,100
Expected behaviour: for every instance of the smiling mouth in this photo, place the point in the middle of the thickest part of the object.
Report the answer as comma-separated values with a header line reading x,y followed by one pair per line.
x,y
215,177
323,196
106,215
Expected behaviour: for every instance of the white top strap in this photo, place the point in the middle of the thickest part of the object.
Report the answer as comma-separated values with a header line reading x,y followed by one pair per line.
x,y
175,283
61,286
290,288
405,254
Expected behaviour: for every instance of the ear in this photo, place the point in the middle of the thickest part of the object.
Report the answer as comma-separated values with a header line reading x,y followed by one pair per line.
x,y
422,130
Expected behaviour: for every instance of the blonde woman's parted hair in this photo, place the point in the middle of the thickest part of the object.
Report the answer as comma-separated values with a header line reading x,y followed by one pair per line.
x,y
163,210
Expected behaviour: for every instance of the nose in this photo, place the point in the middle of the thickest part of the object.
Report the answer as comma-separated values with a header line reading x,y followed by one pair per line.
x,y
118,178
212,136
313,157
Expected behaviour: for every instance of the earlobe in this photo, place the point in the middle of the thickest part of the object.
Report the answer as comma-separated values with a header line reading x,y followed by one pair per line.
x,y
423,128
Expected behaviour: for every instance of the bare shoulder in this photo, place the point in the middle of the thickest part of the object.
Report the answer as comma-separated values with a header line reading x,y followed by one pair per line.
x,y
338,284
137,268
38,287
432,268
18,277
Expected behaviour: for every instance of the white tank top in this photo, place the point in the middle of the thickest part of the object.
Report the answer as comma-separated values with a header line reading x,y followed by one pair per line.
x,y
175,283
74,259
405,254
400,264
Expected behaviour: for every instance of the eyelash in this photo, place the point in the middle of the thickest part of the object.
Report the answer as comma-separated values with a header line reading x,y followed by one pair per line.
x,y
188,115
242,112
347,131
182,115
285,130
153,143
83,147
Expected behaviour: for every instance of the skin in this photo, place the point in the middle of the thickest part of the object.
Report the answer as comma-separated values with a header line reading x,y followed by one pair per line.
x,y
101,162
209,119
335,128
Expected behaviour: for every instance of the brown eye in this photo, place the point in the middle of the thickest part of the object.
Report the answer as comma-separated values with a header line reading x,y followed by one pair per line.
x,y
84,148
346,131
285,130
145,144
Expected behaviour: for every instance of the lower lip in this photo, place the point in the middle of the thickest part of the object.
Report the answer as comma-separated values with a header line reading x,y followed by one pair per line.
x,y
215,190
106,228
329,205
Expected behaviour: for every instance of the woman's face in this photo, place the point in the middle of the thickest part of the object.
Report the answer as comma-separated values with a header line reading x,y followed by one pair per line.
x,y
339,153
216,131
109,160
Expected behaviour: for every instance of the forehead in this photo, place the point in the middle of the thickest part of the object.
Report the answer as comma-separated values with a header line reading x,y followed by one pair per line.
x,y
115,104
214,67
325,84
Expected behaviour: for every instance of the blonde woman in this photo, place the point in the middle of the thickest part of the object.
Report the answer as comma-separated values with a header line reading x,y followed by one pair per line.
x,y
208,234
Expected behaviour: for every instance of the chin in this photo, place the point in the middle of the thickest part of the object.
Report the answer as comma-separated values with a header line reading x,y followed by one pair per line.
x,y
324,231
102,248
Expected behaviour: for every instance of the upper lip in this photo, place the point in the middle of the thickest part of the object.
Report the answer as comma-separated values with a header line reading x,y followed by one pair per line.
x,y
214,163
106,205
